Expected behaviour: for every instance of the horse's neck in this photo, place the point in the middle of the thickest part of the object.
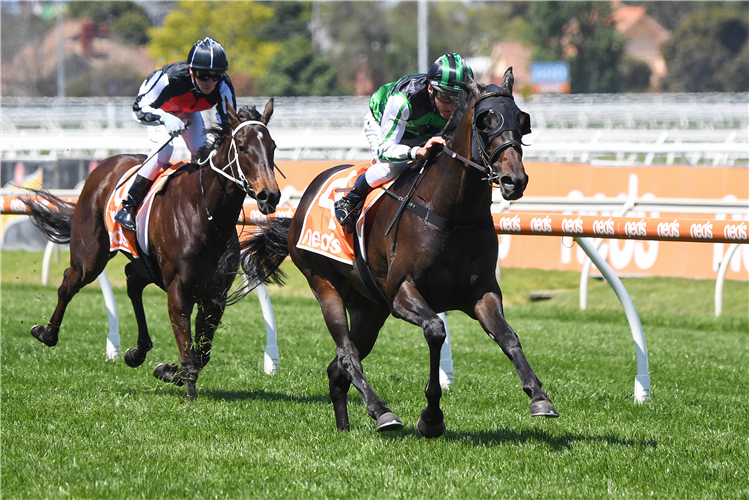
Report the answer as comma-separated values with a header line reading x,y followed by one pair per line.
x,y
223,197
456,191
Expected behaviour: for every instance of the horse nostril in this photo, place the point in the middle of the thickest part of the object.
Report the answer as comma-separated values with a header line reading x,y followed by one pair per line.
x,y
262,196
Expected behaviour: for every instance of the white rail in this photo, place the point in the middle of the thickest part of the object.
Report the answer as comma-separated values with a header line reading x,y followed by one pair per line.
x,y
642,379
595,146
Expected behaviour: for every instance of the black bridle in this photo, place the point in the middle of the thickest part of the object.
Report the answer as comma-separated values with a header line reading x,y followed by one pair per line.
x,y
501,106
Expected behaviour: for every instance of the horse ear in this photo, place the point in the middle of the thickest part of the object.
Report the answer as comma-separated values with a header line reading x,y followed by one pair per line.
x,y
267,112
231,113
508,80
472,85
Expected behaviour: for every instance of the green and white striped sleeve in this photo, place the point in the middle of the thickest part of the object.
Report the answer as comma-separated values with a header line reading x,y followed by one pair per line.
x,y
393,126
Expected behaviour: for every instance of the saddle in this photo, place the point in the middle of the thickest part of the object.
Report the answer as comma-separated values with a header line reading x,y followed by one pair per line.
x,y
121,239
322,234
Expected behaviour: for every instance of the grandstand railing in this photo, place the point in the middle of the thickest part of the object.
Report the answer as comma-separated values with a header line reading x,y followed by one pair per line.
x,y
626,129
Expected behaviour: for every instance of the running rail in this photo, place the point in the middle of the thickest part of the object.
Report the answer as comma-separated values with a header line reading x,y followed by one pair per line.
x,y
580,227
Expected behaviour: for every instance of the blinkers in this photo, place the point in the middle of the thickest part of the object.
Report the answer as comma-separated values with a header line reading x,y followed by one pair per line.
x,y
494,113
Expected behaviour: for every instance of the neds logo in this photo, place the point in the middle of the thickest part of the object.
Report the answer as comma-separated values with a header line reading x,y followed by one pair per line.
x,y
603,227
540,225
572,225
668,229
703,231
735,231
636,228
509,224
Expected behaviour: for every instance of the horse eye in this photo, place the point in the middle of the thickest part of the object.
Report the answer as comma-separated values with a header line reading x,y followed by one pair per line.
x,y
242,149
488,121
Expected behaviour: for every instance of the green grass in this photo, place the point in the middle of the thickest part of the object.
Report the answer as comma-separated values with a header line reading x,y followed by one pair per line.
x,y
73,425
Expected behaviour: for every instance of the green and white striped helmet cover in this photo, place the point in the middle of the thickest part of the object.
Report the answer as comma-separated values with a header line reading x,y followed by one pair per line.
x,y
446,70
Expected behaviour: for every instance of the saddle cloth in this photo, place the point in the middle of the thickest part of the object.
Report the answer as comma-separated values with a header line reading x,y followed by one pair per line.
x,y
321,233
120,239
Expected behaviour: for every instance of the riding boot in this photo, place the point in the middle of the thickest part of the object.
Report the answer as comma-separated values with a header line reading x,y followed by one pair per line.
x,y
348,208
126,215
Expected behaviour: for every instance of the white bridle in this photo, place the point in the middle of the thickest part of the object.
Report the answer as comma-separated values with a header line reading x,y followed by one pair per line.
x,y
233,157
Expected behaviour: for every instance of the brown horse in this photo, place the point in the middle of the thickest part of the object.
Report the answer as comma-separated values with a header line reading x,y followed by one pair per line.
x,y
194,254
438,257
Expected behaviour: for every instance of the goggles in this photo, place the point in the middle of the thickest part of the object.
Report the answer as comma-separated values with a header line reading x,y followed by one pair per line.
x,y
446,98
207,75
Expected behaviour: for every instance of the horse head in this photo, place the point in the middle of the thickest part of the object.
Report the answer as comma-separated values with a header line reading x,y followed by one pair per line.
x,y
252,148
497,128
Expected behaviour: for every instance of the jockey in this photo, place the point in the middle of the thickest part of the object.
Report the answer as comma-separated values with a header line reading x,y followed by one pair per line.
x,y
403,124
167,99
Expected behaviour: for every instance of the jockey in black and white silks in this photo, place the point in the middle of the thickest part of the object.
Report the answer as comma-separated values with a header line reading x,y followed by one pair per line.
x,y
167,100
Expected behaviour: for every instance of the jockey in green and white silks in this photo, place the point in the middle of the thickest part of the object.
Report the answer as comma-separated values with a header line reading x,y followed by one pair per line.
x,y
404,121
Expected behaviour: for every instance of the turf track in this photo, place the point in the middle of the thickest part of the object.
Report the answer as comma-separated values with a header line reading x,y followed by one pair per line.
x,y
75,426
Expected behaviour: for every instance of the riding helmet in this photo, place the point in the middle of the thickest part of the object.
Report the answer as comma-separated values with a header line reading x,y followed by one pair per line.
x,y
207,54
446,71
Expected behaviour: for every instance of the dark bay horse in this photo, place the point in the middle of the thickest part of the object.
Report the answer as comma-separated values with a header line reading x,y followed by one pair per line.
x,y
421,268
194,254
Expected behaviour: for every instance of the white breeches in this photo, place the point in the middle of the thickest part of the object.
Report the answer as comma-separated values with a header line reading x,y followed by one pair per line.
x,y
194,138
380,172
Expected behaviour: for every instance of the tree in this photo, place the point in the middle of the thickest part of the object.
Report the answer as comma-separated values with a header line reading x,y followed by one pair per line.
x,y
232,24
296,70
583,34
128,20
709,52
635,75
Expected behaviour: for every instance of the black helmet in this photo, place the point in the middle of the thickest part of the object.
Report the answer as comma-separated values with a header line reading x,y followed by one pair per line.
x,y
208,54
447,70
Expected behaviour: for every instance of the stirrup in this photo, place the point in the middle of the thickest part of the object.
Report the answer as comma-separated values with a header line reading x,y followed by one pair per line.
x,y
347,212
125,218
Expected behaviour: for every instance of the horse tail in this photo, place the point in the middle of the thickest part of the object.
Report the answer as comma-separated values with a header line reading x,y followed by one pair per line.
x,y
52,215
261,256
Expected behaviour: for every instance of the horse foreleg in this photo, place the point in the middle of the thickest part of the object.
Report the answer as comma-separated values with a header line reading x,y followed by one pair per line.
x,y
180,310
135,356
409,305
346,367
489,312
206,321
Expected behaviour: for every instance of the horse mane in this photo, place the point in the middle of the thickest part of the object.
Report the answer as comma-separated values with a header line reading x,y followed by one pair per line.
x,y
217,134
457,117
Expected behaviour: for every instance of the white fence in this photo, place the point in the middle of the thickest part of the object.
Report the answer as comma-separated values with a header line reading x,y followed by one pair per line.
x,y
647,129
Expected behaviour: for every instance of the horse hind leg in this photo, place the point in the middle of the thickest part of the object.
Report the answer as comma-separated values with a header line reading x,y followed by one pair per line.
x,y
136,282
346,367
73,280
488,311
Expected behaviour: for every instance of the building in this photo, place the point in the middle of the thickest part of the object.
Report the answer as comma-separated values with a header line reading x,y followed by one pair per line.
x,y
645,38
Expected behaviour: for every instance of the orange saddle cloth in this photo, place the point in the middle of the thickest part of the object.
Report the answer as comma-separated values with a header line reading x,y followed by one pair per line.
x,y
321,233
121,239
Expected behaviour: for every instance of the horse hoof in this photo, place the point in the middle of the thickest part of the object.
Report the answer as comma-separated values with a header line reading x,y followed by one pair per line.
x,y
388,422
132,359
543,408
430,431
167,373
40,333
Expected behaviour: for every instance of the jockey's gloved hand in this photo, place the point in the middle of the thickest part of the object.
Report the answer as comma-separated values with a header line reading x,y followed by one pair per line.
x,y
174,125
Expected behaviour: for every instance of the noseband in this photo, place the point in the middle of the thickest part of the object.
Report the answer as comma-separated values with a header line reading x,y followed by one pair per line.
x,y
233,158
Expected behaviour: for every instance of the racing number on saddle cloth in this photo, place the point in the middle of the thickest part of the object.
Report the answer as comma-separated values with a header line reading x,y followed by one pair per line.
x,y
328,202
